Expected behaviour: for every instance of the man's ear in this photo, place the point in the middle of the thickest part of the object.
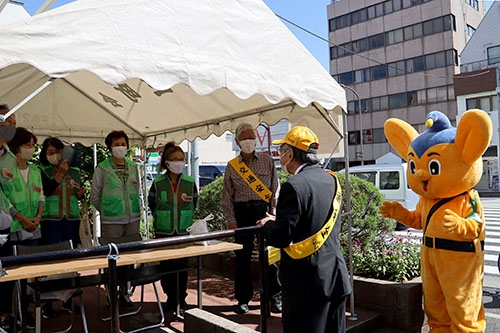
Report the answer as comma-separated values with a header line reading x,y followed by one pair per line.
x,y
399,134
473,135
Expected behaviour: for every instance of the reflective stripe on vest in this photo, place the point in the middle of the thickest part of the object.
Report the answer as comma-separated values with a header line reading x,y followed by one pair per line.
x,y
119,200
251,179
174,209
23,196
312,244
63,202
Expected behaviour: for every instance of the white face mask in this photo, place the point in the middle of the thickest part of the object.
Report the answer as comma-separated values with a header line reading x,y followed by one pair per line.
x,y
54,159
26,153
247,146
119,151
175,166
284,166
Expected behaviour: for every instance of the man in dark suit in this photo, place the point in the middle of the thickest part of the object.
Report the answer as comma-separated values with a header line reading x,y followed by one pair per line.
x,y
306,227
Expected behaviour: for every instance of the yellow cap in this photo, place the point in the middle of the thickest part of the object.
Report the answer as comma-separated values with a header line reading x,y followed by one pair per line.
x,y
300,137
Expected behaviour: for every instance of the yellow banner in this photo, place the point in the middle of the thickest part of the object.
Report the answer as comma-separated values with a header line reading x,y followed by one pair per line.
x,y
251,179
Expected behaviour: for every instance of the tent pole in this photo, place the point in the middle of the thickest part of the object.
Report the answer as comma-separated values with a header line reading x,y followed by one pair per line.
x,y
349,218
97,216
26,100
45,6
145,187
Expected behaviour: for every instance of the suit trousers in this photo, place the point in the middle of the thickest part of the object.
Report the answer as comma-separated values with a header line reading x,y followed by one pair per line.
x,y
314,318
247,214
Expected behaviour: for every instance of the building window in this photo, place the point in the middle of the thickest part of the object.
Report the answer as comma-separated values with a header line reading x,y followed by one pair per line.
x,y
397,101
396,68
376,41
470,30
371,12
378,72
412,99
486,103
493,55
346,78
473,3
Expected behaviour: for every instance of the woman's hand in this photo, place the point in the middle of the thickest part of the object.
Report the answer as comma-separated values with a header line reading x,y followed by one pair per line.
x,y
80,192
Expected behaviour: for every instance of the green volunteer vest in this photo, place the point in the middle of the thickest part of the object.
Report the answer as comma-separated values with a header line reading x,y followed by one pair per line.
x,y
24,197
119,200
64,201
174,210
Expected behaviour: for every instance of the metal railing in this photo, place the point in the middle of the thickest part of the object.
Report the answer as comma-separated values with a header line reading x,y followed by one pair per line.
x,y
478,65
113,250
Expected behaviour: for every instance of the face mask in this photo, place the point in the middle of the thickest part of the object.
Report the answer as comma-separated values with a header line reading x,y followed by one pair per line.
x,y
284,166
247,146
26,153
119,152
175,166
54,159
7,132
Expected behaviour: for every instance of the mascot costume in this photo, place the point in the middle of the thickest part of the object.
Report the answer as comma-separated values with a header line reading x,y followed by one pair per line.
x,y
444,164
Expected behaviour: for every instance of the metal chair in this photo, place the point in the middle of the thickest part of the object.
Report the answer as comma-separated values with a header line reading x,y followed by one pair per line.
x,y
145,274
59,282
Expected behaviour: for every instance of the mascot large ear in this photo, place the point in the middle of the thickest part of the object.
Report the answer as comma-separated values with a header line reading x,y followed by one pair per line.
x,y
400,134
473,135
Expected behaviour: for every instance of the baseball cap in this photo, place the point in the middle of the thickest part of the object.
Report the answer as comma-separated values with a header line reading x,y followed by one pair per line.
x,y
301,138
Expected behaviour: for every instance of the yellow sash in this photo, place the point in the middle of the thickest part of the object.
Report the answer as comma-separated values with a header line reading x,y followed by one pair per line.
x,y
251,179
310,245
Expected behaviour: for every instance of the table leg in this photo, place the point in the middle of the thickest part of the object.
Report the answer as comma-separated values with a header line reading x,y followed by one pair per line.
x,y
199,282
264,302
38,310
113,296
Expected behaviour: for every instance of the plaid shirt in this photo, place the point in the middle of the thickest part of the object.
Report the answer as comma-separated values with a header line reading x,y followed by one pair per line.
x,y
237,190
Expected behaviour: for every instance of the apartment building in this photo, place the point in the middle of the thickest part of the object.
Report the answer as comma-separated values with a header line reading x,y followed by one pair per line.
x,y
400,57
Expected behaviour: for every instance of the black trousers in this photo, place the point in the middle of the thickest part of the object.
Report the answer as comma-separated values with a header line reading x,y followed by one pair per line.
x,y
169,281
247,214
314,318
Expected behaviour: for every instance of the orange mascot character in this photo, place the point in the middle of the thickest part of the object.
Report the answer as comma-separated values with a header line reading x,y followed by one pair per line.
x,y
444,164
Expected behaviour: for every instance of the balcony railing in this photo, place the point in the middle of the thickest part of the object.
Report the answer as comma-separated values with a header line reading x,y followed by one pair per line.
x,y
478,65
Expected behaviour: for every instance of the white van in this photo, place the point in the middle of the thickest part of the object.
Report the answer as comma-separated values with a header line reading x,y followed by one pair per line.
x,y
391,181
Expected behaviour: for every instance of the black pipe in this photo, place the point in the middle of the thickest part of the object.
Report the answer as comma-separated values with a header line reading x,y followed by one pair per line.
x,y
126,247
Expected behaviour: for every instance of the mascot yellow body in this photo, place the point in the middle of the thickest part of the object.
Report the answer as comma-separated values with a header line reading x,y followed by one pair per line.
x,y
444,164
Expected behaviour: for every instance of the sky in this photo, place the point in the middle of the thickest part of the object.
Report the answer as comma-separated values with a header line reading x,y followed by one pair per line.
x,y
309,14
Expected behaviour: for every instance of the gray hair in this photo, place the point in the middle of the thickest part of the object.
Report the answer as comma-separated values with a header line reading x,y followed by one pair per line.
x,y
302,156
242,128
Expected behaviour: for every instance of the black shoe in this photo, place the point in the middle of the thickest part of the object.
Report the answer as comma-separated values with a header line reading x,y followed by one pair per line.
x,y
30,321
48,311
241,308
7,325
67,306
276,307
125,302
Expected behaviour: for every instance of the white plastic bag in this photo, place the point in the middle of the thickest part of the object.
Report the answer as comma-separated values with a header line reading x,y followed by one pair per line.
x,y
200,227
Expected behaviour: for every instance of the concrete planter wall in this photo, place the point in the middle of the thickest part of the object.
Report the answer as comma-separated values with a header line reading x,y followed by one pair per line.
x,y
399,303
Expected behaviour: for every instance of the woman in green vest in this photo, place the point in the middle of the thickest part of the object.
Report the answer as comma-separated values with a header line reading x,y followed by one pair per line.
x,y
23,187
115,194
62,190
172,199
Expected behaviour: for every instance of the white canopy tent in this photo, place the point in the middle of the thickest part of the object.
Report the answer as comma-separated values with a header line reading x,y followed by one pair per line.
x,y
164,69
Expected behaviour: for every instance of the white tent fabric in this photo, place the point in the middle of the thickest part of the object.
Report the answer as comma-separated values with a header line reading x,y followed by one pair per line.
x,y
163,70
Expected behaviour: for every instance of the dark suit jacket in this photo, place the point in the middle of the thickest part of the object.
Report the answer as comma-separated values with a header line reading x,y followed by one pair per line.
x,y
304,206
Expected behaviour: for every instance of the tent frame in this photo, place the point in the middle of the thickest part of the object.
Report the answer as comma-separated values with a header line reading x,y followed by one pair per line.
x,y
324,113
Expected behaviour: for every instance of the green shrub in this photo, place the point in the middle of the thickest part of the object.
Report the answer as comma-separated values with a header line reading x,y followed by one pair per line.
x,y
367,223
210,202
394,259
